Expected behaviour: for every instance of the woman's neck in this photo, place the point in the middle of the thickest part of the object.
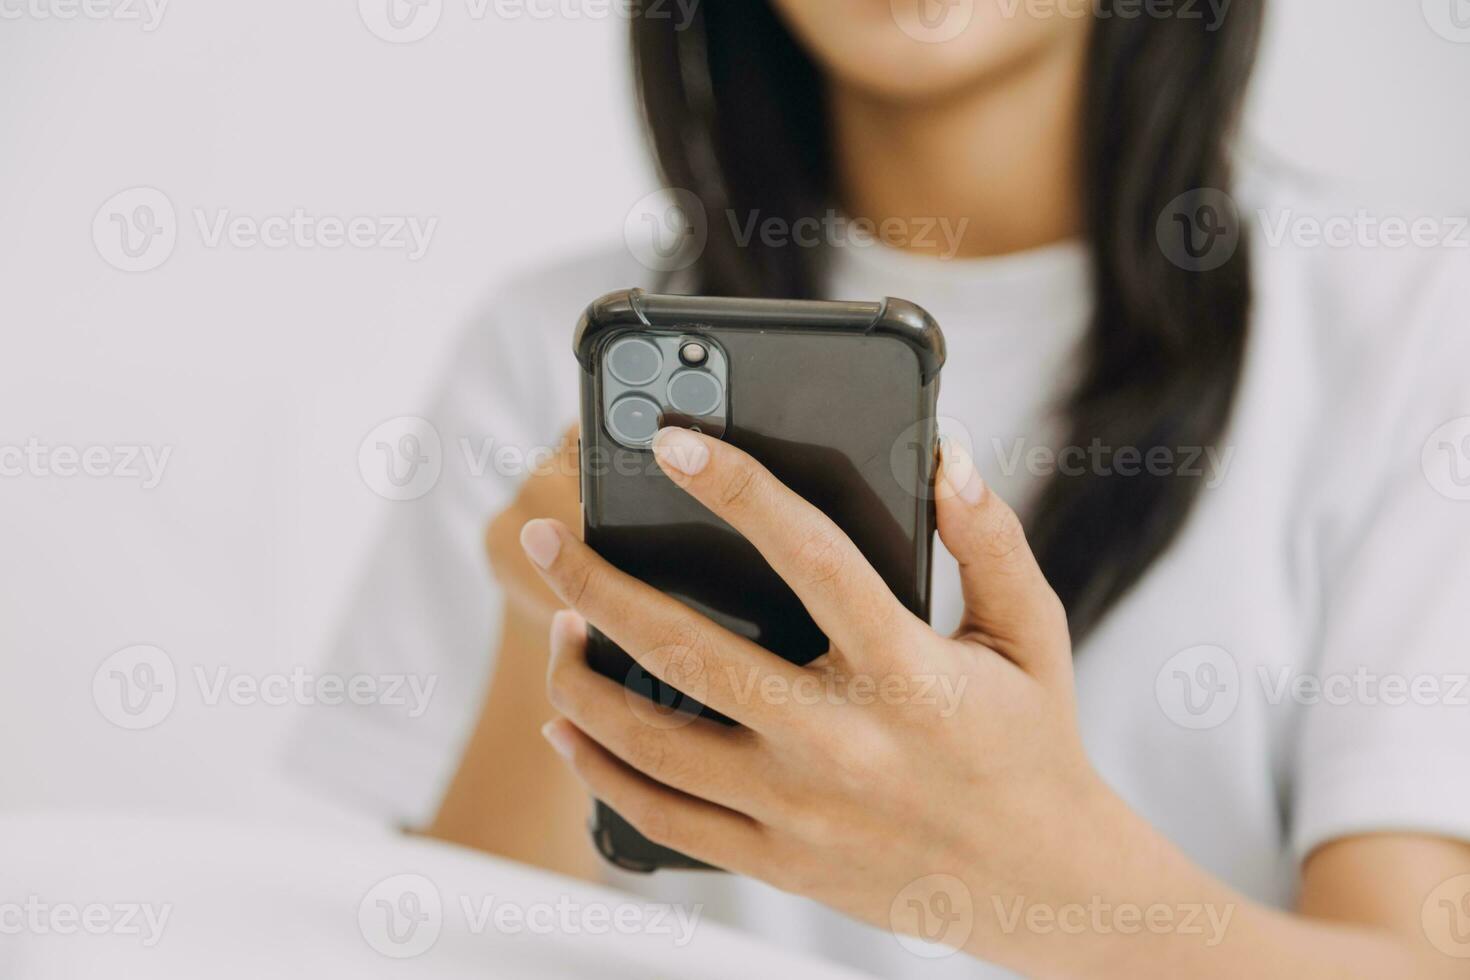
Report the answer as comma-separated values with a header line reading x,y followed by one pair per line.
x,y
987,171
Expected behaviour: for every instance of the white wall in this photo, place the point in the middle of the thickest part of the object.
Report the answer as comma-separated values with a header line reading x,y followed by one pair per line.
x,y
264,368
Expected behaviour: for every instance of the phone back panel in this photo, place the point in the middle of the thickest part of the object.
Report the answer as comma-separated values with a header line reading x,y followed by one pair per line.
x,y
839,411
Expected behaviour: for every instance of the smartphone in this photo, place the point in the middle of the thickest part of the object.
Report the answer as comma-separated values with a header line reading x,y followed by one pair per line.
x,y
836,399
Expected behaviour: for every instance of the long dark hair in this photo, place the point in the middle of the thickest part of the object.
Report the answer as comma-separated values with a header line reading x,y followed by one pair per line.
x,y
736,112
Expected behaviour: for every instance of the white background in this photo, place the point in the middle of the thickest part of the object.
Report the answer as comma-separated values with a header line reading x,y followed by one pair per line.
x,y
263,369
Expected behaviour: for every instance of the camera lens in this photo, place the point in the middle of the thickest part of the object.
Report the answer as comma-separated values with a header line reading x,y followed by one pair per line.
x,y
633,420
695,393
634,361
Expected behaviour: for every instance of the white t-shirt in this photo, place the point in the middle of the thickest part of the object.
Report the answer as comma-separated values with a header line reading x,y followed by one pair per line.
x,y
1291,670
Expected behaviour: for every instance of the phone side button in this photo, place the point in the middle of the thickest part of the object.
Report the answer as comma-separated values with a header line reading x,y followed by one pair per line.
x,y
579,470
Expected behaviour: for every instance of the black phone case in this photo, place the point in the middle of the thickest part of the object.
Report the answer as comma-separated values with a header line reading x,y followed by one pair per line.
x,y
837,400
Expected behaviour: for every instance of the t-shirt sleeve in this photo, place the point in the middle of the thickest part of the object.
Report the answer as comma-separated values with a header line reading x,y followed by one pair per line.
x,y
422,620
1384,737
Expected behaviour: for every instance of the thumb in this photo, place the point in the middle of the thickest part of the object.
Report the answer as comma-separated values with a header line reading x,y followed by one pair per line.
x,y
1008,604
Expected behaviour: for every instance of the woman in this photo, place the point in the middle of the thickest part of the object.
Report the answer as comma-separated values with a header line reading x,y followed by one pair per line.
x,y
1217,441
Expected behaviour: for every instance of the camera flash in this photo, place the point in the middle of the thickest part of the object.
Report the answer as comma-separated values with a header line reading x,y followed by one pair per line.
x,y
693,353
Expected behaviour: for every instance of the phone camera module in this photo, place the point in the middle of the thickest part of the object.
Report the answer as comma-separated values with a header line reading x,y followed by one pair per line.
x,y
634,420
634,361
695,393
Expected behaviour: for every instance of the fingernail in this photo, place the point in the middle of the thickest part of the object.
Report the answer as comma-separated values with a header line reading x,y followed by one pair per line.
x,y
958,471
681,449
553,732
541,542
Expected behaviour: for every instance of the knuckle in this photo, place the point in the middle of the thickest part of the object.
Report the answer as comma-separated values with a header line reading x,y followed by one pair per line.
x,y
740,485
682,648
563,689
1002,536
648,752
653,821
822,556
580,582
813,824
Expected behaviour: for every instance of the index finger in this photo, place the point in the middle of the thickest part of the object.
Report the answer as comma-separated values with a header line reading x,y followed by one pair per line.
x,y
841,590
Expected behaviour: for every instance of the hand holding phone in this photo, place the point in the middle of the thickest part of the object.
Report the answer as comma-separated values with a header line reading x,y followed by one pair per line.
x,y
835,399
